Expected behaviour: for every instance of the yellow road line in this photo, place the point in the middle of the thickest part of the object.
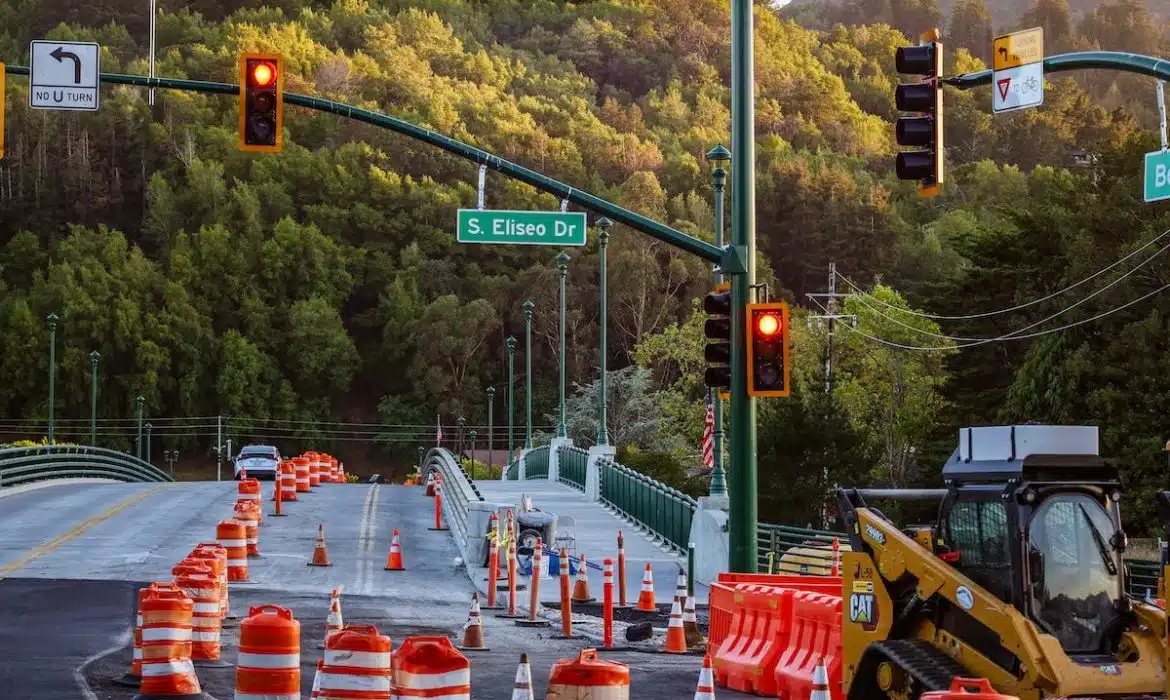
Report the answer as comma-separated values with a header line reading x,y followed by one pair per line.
x,y
41,550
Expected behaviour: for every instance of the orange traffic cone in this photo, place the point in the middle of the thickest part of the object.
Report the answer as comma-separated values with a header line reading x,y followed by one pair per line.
x,y
320,554
522,688
691,623
646,595
676,639
394,560
333,621
705,689
581,585
473,630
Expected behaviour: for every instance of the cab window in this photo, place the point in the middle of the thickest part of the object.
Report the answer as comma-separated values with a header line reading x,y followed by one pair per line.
x,y
979,532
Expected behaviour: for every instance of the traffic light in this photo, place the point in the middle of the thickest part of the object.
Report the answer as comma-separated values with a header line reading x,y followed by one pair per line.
x,y
717,304
925,131
767,349
261,102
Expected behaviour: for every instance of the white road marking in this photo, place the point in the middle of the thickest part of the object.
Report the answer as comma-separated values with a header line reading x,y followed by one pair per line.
x,y
79,673
366,540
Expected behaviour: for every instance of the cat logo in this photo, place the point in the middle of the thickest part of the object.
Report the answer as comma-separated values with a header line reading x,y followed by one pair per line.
x,y
861,608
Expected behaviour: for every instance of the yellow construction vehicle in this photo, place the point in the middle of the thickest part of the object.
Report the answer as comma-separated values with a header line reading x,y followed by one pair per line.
x,y
1020,580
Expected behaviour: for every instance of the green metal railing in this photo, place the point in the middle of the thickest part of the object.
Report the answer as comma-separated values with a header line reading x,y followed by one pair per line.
x,y
661,510
21,465
536,463
572,463
513,471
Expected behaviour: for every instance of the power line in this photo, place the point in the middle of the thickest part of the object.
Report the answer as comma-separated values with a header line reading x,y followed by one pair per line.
x,y
1065,327
1011,334
1013,308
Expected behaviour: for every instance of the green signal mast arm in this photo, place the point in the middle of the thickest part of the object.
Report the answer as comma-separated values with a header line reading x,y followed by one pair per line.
x,y
1110,60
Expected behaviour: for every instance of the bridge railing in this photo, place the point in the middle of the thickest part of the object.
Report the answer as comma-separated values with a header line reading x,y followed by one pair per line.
x,y
536,463
22,465
457,492
572,463
660,510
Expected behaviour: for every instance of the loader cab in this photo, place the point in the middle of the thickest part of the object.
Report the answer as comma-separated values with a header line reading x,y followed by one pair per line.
x,y
1041,530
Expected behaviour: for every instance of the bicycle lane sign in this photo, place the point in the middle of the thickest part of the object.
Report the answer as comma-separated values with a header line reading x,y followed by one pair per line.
x,y
1015,88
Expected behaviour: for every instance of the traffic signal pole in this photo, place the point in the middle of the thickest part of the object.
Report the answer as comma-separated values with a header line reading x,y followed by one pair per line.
x,y
740,266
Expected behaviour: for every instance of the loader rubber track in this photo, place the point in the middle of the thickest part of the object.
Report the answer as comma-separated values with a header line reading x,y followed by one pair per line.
x,y
930,668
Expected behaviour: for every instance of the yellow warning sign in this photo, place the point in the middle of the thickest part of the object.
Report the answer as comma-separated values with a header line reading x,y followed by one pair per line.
x,y
1018,48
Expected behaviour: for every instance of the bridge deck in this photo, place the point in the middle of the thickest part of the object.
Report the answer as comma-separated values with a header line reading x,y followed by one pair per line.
x,y
596,538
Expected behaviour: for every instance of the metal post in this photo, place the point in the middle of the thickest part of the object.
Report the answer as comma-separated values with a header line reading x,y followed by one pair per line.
x,y
153,14
52,321
743,486
460,422
603,242
219,448
491,392
472,436
94,358
528,306
511,344
148,427
563,267
140,400
719,157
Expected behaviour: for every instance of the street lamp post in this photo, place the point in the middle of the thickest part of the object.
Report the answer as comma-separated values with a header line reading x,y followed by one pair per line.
x,y
94,358
172,456
52,322
719,158
471,436
563,267
148,427
421,453
140,400
461,423
491,392
528,306
743,487
511,344
603,241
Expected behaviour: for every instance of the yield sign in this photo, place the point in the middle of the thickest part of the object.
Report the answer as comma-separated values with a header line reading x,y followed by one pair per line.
x,y
1003,84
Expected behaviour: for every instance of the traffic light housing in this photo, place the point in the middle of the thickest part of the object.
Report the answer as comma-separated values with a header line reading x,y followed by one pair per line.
x,y
924,131
261,102
717,329
767,349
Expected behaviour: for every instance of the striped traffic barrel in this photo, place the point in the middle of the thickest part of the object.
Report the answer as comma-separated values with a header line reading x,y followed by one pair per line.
x,y
288,480
233,535
215,554
248,490
269,663
430,667
199,582
314,469
357,665
248,513
302,468
167,670
588,676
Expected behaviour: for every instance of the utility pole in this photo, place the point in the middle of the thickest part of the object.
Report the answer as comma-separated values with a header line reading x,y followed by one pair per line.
x,y
831,315
219,448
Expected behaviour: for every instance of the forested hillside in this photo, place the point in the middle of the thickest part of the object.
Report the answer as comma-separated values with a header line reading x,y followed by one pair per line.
x,y
325,283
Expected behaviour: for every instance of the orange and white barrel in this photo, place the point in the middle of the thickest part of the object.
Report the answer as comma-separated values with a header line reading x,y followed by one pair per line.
x,y
199,582
357,665
216,556
166,644
314,469
302,468
288,480
233,535
335,470
430,667
248,490
136,658
248,513
269,663
588,676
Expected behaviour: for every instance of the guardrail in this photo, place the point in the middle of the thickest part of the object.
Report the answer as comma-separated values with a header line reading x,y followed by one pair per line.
x,y
536,463
513,472
663,512
22,465
458,491
1142,580
572,463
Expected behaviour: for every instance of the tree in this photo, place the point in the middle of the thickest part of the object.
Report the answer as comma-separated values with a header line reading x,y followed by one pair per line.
x,y
632,416
970,28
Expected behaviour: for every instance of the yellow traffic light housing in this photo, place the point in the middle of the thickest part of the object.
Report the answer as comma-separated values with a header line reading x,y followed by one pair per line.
x,y
925,130
767,349
717,354
261,102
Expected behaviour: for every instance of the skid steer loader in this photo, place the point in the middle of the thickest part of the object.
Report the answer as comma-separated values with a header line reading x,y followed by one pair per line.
x,y
1020,580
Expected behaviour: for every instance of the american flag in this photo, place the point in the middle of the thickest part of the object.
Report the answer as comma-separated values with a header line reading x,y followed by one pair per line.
x,y
709,435
438,431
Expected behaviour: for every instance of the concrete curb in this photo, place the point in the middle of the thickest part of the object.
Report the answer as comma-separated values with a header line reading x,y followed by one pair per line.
x,y
13,490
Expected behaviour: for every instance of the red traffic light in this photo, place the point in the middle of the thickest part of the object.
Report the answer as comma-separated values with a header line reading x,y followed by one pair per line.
x,y
768,325
263,74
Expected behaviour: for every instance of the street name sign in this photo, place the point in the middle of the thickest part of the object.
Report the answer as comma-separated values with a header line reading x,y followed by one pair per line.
x,y
1018,49
1017,88
521,227
63,75
1157,176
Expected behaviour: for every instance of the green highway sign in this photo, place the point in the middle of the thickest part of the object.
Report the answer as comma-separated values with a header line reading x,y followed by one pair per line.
x,y
521,227
1157,176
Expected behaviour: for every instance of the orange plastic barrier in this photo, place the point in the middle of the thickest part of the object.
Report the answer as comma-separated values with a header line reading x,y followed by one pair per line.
x,y
429,667
815,638
746,658
721,603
